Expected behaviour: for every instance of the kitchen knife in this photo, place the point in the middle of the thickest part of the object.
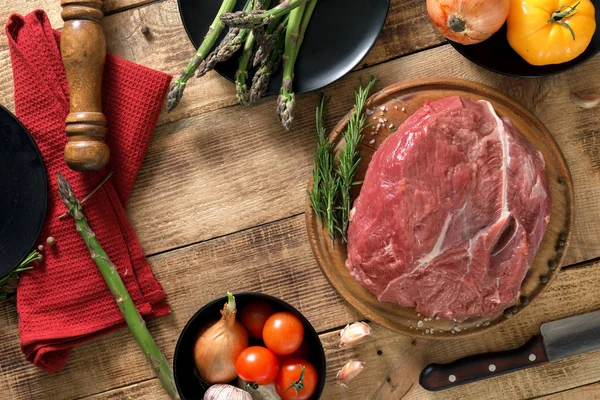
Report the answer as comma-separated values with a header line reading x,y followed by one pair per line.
x,y
557,339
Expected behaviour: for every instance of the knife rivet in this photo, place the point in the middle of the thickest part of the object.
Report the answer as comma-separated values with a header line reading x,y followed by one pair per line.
x,y
452,378
532,357
492,367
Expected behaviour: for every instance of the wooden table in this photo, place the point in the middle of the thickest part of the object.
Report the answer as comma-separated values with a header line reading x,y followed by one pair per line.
x,y
218,206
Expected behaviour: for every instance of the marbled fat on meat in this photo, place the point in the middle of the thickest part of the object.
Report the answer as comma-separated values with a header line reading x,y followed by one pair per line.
x,y
451,212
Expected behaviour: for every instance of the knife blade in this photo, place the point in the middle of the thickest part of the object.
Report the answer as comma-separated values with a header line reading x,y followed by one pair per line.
x,y
557,339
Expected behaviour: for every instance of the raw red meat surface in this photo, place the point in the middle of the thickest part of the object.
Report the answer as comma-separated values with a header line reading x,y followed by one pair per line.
x,y
451,212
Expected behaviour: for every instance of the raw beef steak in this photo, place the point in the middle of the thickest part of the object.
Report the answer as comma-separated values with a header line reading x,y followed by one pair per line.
x,y
451,212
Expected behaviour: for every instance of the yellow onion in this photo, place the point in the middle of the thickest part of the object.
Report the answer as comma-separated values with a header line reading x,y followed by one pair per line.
x,y
468,21
218,346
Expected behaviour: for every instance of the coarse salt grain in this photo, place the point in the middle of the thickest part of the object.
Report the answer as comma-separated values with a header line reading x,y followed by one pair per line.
x,y
403,109
395,107
372,141
420,324
391,126
382,108
369,111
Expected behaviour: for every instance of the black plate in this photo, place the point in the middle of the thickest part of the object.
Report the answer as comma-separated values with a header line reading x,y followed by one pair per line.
x,y
189,384
496,55
23,192
339,36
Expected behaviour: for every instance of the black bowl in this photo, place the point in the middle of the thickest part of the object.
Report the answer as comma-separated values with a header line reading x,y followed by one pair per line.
x,y
496,55
188,382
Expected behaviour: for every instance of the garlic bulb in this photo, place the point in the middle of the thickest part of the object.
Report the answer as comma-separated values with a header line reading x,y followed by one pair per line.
x,y
226,392
349,372
354,333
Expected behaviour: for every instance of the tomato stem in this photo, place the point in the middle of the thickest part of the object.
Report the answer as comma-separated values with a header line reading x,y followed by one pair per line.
x,y
299,384
564,12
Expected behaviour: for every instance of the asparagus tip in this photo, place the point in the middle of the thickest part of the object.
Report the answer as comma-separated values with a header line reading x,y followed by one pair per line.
x,y
175,94
285,110
65,190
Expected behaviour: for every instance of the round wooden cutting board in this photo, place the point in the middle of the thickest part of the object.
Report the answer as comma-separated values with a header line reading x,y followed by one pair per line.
x,y
401,101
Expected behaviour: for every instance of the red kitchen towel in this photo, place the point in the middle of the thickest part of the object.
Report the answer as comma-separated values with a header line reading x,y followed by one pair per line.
x,y
65,301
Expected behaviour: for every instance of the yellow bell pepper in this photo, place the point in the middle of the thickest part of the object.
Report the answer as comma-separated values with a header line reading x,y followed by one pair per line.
x,y
550,31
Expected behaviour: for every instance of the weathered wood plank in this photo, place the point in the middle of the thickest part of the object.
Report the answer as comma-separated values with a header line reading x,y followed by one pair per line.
x,y
276,259
241,170
114,6
587,392
399,359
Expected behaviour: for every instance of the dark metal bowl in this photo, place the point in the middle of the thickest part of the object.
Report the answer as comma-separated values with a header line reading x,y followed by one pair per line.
x,y
188,382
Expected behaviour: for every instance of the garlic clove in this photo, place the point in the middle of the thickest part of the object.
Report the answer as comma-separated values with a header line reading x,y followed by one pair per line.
x,y
354,333
586,99
226,392
349,372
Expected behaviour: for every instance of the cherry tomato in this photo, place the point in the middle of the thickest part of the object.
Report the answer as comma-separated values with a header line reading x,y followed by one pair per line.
x,y
302,352
257,364
291,384
283,333
254,316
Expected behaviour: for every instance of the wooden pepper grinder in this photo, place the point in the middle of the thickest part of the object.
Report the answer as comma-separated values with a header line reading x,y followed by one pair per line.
x,y
83,50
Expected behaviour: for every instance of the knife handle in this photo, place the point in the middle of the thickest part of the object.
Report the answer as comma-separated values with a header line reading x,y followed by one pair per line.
x,y
473,368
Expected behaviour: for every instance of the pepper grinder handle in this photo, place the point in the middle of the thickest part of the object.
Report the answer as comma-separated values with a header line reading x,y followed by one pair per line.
x,y
83,50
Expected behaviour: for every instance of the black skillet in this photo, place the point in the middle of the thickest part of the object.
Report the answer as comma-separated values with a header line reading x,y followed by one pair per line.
x,y
340,35
23,192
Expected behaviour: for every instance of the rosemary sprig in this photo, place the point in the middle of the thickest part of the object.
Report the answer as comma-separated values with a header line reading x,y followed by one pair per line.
x,y
348,159
333,177
5,281
323,196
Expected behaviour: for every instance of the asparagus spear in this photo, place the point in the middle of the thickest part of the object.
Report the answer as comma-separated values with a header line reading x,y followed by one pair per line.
x,y
293,40
230,44
108,270
178,86
262,77
241,75
221,53
348,159
274,31
256,18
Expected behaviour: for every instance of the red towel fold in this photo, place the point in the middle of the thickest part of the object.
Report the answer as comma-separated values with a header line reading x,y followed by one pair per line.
x,y
65,301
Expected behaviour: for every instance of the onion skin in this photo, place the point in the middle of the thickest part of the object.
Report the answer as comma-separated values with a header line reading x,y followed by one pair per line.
x,y
217,347
468,21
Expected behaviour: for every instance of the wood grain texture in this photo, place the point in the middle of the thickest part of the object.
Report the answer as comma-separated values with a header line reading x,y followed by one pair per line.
x,y
393,362
273,259
253,173
587,392
276,259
